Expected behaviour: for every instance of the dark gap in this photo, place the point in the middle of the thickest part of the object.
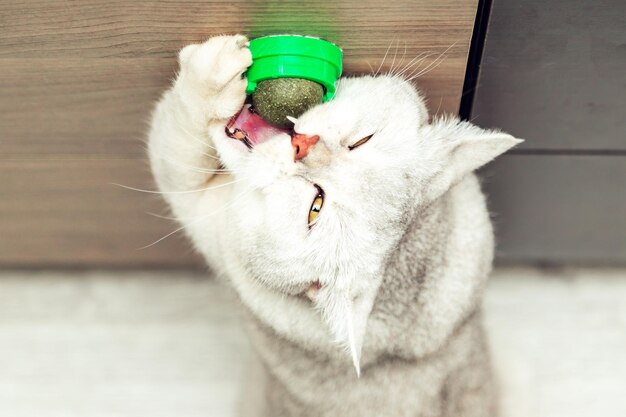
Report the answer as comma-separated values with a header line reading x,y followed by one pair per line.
x,y
474,58
569,152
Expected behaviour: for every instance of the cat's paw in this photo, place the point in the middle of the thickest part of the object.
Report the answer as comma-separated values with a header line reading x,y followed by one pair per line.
x,y
216,69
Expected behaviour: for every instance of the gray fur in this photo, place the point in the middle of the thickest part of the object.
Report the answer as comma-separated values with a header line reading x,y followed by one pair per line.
x,y
409,367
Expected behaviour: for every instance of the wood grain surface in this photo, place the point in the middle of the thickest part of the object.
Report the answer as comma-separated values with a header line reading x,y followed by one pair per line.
x,y
79,79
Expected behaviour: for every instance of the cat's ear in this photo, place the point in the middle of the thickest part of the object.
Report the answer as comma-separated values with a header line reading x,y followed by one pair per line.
x,y
459,148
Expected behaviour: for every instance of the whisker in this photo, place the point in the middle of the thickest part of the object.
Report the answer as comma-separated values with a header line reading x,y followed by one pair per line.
x,y
196,220
201,216
202,143
394,57
176,192
160,216
401,59
191,167
426,70
473,119
197,139
407,65
384,58
439,107
430,67
162,238
415,61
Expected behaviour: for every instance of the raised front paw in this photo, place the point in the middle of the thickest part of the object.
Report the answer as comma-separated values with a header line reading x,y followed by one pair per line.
x,y
216,69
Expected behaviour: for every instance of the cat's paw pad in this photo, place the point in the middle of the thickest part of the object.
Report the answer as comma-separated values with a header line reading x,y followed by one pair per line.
x,y
217,62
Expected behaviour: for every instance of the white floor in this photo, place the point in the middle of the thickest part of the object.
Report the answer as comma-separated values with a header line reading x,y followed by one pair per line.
x,y
169,344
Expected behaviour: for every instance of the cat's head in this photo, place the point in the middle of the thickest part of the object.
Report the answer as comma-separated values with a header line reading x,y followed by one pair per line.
x,y
318,213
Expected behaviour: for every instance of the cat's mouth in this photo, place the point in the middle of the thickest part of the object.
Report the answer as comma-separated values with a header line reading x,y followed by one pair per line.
x,y
251,129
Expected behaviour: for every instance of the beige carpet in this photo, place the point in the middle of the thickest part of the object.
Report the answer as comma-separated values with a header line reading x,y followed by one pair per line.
x,y
170,344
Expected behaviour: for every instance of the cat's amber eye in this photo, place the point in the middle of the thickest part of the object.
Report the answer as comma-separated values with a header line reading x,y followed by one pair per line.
x,y
316,207
360,142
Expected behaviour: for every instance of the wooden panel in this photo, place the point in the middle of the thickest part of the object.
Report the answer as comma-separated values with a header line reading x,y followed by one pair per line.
x,y
554,73
120,28
367,31
559,209
67,212
79,107
79,80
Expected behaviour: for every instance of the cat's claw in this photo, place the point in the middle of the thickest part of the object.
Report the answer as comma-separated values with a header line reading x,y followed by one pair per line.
x,y
242,41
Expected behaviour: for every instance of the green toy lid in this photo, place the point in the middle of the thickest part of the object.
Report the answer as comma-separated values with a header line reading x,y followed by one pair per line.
x,y
295,56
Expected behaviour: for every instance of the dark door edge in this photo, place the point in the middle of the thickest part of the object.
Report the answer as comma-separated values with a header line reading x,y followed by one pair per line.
x,y
474,58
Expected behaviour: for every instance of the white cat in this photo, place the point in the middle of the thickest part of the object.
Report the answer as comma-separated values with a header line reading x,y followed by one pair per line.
x,y
368,252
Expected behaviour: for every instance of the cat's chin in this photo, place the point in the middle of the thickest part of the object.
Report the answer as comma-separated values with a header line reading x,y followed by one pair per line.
x,y
311,291
305,291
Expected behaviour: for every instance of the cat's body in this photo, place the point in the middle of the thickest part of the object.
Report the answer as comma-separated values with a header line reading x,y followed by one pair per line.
x,y
414,366
390,275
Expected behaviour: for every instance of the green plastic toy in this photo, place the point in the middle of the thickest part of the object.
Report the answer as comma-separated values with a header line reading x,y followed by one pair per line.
x,y
290,74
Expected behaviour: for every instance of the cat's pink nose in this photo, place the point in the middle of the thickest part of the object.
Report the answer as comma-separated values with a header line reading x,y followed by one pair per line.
x,y
302,144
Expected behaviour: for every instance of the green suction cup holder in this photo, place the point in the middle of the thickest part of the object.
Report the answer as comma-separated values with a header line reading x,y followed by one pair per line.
x,y
294,56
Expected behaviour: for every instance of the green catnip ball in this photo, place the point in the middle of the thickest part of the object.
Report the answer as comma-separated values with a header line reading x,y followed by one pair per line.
x,y
278,98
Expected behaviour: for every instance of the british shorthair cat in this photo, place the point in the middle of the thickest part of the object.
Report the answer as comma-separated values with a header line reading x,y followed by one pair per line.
x,y
360,259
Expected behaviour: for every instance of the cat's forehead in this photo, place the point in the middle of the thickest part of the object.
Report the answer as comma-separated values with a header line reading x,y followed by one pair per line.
x,y
360,103
374,92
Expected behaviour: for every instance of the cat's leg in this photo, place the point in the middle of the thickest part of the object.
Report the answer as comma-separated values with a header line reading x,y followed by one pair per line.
x,y
209,89
252,398
469,389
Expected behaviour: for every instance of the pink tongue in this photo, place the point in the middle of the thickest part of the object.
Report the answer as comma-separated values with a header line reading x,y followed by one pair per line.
x,y
247,125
